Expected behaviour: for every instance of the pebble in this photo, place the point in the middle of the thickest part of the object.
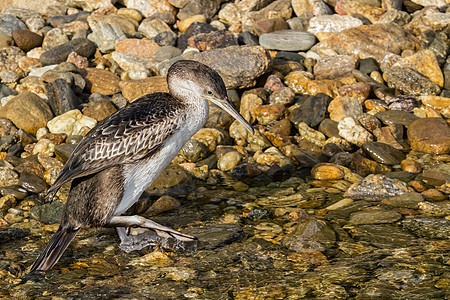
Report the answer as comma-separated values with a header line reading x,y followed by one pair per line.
x,y
163,204
44,146
101,81
26,40
267,113
229,160
407,200
106,36
383,153
328,171
430,135
376,187
353,133
71,123
332,23
411,166
312,111
379,216
59,54
343,107
27,111
8,177
213,40
9,23
61,97
99,110
287,40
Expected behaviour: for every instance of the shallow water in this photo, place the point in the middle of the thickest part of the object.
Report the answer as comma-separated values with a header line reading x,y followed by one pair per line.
x,y
269,242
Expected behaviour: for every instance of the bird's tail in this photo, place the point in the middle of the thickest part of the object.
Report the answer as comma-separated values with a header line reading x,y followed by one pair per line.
x,y
55,249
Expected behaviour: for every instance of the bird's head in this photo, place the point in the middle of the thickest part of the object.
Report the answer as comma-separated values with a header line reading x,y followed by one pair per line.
x,y
188,77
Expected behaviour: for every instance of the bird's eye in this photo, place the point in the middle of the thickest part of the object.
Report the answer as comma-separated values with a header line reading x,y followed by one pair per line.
x,y
209,93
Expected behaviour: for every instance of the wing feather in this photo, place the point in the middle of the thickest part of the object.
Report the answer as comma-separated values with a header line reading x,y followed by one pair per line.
x,y
127,136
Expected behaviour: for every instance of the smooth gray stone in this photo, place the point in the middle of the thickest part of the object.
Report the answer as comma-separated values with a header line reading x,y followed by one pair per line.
x,y
287,40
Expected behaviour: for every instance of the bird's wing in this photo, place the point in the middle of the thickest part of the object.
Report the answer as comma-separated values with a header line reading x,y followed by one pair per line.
x,y
126,136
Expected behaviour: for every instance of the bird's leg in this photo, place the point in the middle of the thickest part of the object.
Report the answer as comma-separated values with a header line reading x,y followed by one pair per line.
x,y
130,243
136,239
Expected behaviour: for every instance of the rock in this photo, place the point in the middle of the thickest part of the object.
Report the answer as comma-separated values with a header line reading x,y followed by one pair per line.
x,y
133,89
411,166
152,27
99,110
310,234
148,8
273,156
239,66
407,200
276,9
376,187
166,38
312,111
194,150
127,24
229,160
343,107
48,213
269,25
379,216
329,128
364,166
26,40
9,64
282,127
287,40
383,153
44,146
327,171
32,183
409,81
163,204
359,90
58,54
396,117
71,123
402,102
335,67
9,23
185,23
27,111
376,41
430,135
8,177
106,36
61,97
144,48
435,102
136,67
268,113
283,95
332,23
353,133
428,227
311,135
249,103
101,81
213,40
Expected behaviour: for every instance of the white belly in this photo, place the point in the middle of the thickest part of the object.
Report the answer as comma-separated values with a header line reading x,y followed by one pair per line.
x,y
140,176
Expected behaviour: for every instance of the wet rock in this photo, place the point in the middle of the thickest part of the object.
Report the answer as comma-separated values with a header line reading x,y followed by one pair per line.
x,y
364,166
6,142
359,90
378,216
14,190
99,110
163,204
435,102
216,236
26,40
49,213
59,54
369,122
61,97
431,135
310,234
268,113
410,81
402,102
71,123
383,153
411,166
396,117
311,135
213,40
329,128
287,40
10,234
283,95
64,151
272,156
439,209
27,111
32,183
174,181
352,132
376,187
194,150
428,227
327,171
238,66
229,160
106,36
407,200
343,107
312,111
282,127
6,202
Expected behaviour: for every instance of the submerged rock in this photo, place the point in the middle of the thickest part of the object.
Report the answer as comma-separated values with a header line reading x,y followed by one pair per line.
x,y
376,187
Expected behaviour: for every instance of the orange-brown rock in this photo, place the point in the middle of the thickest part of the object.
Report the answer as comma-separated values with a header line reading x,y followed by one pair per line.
x,y
328,171
430,135
133,89
101,81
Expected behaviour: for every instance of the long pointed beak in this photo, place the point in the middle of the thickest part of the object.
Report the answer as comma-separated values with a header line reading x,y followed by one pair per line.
x,y
227,106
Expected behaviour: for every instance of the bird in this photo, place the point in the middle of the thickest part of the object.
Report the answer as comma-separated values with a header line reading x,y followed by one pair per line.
x,y
124,153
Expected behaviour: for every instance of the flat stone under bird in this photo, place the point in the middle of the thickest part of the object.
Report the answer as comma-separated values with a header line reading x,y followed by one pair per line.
x,y
120,157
